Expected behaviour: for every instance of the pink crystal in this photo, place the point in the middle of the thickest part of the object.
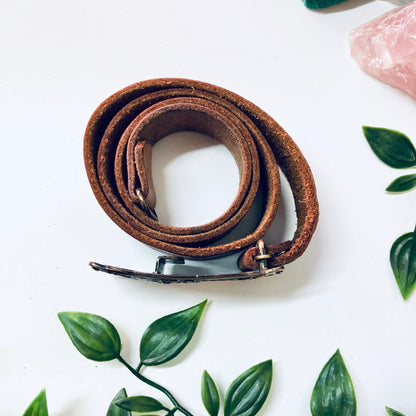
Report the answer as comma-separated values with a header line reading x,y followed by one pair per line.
x,y
386,48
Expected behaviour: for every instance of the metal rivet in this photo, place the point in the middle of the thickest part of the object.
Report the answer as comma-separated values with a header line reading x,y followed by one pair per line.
x,y
144,205
263,256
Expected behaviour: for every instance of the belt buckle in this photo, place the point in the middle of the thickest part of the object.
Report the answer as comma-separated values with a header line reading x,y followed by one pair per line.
x,y
160,277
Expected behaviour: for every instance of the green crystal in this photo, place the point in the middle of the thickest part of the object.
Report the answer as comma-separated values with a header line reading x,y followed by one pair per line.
x,y
321,4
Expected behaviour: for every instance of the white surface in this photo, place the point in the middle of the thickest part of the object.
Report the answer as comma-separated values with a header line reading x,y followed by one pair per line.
x,y
58,62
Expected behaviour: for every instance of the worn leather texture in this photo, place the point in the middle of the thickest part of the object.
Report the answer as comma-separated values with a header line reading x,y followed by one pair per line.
x,y
117,154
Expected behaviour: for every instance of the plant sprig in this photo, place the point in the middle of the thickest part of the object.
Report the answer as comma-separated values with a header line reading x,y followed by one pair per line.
x,y
332,395
397,151
97,339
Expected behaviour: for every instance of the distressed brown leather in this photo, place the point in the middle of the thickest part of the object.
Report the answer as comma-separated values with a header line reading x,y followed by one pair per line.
x,y
117,152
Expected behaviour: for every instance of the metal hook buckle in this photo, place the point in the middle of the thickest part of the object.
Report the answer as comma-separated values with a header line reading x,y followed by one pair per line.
x,y
145,206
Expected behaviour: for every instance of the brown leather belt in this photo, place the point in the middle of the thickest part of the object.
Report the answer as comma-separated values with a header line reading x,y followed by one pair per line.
x,y
117,153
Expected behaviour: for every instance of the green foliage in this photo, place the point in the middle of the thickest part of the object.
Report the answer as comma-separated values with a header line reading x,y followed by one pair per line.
x,y
97,339
392,412
391,147
248,392
115,410
403,263
165,338
140,404
321,4
403,184
210,395
396,150
38,407
92,335
333,394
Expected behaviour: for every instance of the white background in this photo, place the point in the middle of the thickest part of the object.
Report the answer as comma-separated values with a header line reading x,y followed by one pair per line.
x,y
59,61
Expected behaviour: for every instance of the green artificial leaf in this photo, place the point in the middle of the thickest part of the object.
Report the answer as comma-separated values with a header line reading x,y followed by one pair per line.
x,y
333,394
165,338
392,412
140,404
248,392
115,410
321,4
209,394
403,183
93,336
39,406
392,147
403,263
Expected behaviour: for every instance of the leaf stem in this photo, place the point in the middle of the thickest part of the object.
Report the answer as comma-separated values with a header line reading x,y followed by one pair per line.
x,y
157,386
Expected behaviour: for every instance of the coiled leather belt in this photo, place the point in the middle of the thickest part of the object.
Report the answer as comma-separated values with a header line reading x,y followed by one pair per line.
x,y
117,154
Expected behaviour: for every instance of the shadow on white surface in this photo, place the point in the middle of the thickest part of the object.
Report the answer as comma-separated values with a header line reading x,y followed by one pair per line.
x,y
189,191
75,407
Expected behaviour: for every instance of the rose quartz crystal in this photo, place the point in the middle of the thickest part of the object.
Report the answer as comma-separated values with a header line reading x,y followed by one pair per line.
x,y
386,48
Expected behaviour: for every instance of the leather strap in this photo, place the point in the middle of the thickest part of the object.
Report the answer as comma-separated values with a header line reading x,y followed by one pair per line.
x,y
117,154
